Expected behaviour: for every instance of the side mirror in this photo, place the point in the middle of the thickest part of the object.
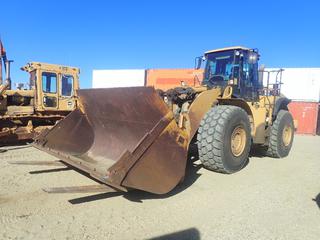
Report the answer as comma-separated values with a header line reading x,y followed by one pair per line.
x,y
198,61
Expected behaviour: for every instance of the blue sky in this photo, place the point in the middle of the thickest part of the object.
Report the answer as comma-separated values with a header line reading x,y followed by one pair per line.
x,y
156,34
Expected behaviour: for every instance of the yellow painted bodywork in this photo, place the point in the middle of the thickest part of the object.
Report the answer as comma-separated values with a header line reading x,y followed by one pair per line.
x,y
259,112
63,103
198,108
23,112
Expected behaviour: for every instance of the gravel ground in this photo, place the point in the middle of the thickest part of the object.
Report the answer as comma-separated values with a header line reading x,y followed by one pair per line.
x,y
269,199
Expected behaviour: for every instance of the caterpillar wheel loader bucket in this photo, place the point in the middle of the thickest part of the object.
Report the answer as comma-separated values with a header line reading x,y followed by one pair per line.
x,y
126,138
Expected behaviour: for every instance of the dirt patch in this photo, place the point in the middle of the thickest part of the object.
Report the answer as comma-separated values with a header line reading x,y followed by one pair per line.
x,y
3,200
262,201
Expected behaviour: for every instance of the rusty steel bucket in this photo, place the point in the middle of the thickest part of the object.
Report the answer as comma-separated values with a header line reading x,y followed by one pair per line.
x,y
126,138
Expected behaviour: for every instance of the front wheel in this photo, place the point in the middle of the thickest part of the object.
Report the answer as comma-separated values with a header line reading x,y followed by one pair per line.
x,y
224,139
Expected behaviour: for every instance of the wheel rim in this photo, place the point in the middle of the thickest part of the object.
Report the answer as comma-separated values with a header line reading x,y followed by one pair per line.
x,y
238,141
286,135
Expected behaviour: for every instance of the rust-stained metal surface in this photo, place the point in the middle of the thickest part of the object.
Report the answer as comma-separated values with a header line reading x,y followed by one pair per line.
x,y
39,163
123,137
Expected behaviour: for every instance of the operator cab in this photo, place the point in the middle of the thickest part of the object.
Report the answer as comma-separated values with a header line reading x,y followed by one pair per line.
x,y
54,85
236,67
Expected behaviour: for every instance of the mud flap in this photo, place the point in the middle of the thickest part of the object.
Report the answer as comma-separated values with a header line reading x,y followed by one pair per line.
x,y
123,137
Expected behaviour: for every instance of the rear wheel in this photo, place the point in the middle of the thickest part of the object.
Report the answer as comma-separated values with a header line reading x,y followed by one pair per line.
x,y
281,135
224,139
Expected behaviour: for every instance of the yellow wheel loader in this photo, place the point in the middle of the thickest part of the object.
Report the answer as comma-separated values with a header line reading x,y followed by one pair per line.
x,y
48,97
138,138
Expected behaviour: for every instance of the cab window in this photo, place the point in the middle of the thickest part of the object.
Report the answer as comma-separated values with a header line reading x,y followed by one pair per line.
x,y
49,82
66,85
32,80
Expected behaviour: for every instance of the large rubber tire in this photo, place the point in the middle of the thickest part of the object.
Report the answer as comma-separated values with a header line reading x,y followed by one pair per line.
x,y
277,147
214,139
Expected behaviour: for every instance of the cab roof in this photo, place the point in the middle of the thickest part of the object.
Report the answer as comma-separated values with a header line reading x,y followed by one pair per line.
x,y
227,48
50,67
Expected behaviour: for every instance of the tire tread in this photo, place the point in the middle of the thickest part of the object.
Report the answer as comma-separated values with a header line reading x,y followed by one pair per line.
x,y
273,150
212,127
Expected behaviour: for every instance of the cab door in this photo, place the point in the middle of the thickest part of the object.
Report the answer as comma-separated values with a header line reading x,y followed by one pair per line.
x,y
49,90
66,92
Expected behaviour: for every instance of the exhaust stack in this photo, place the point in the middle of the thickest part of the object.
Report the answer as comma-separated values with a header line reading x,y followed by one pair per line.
x,y
8,75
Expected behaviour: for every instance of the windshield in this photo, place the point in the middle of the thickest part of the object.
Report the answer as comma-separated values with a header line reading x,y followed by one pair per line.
x,y
220,68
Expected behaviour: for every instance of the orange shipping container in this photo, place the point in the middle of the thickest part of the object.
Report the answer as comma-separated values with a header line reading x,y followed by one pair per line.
x,y
169,78
306,115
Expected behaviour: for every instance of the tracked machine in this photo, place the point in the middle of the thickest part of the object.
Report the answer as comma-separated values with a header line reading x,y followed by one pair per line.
x,y
138,138
29,108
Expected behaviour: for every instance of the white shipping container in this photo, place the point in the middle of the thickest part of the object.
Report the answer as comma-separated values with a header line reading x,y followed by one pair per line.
x,y
301,84
118,78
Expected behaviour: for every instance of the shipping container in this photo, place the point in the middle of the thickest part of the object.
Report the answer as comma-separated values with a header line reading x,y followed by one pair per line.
x,y
318,124
168,78
306,114
299,84
118,78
